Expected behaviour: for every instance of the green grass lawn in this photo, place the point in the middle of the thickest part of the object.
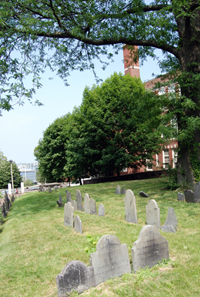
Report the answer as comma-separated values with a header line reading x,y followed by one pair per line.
x,y
35,245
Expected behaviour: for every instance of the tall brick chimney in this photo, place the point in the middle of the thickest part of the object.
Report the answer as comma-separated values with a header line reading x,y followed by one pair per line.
x,y
129,65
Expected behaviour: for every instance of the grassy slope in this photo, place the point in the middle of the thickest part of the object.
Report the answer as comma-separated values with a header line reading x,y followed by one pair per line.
x,y
35,245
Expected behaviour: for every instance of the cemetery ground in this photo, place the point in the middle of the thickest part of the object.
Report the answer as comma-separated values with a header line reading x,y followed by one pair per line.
x,y
35,245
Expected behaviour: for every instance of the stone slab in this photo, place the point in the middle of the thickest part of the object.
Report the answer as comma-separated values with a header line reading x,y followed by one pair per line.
x,y
78,225
189,196
171,218
68,214
123,191
130,207
180,197
74,204
168,229
75,276
153,213
150,248
110,259
197,192
69,196
87,203
118,190
101,210
93,209
143,194
79,201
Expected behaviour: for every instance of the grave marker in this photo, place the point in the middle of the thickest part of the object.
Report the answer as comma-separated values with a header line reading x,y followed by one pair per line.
x,y
87,204
78,225
150,248
197,192
79,200
130,207
189,196
68,214
118,190
93,209
69,196
153,213
101,210
180,197
74,204
171,220
143,194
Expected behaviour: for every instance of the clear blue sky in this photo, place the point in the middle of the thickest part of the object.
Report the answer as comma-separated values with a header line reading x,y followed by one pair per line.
x,y
22,127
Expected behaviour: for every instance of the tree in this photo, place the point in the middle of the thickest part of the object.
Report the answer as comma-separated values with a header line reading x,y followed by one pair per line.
x,y
67,35
51,152
118,125
5,172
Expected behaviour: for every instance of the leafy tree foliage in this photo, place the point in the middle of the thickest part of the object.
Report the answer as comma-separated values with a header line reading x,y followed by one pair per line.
x,y
118,125
65,35
5,172
51,152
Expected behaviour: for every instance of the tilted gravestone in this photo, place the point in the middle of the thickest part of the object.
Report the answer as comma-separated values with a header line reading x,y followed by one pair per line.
x,y
68,214
87,204
143,194
101,210
69,196
74,204
78,225
110,259
79,200
170,221
150,248
59,202
180,197
189,196
7,203
197,192
93,209
153,213
118,190
75,276
3,209
12,198
130,207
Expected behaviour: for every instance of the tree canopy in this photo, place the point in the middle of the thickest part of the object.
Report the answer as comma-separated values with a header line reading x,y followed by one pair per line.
x,y
118,125
5,172
68,35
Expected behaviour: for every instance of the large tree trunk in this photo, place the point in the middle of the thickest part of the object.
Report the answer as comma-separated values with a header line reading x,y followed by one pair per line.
x,y
189,32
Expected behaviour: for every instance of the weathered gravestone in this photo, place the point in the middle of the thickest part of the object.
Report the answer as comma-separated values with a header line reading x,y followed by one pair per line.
x,y
68,214
49,189
101,210
150,248
69,196
87,204
180,197
130,207
153,213
123,191
143,194
93,209
3,209
78,225
197,192
170,221
7,202
74,204
189,196
118,190
12,198
75,276
79,200
110,259
59,202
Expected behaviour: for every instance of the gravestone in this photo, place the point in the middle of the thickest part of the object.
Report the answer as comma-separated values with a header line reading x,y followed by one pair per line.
x,y
12,198
150,248
118,190
110,259
143,194
49,189
153,213
78,225
74,204
87,204
69,196
197,192
101,210
171,220
22,187
79,200
130,207
7,202
180,197
123,191
168,229
59,202
68,214
189,196
75,276
3,209
93,209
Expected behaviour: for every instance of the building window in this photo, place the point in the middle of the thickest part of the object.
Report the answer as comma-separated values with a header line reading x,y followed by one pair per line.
x,y
174,157
149,165
125,170
157,161
165,158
